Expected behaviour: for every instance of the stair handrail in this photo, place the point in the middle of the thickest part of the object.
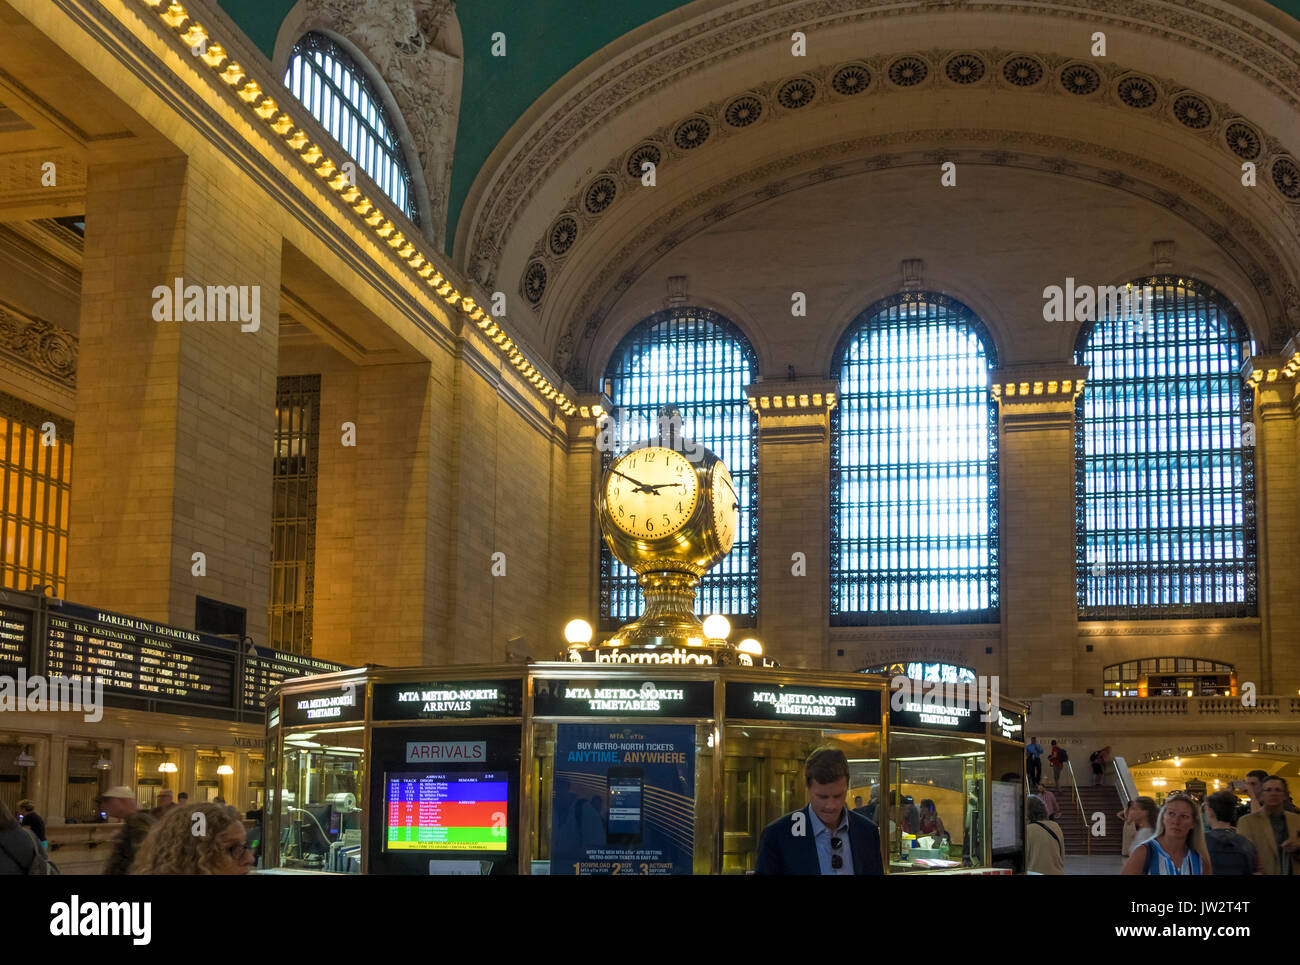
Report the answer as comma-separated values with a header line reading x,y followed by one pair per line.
x,y
1087,826
1124,782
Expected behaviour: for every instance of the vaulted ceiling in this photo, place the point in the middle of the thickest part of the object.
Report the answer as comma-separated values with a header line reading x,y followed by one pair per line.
x,y
780,170
545,40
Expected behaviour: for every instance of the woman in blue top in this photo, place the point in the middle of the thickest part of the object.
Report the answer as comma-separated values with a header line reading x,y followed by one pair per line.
x,y
1178,847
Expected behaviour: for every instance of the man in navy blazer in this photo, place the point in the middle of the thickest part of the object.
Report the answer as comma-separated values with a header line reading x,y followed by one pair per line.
x,y
824,838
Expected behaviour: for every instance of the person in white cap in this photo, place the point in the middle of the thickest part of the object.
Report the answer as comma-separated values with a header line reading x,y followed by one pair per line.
x,y
120,803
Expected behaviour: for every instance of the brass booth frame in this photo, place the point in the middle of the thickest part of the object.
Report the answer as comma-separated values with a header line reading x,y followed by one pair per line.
x,y
359,686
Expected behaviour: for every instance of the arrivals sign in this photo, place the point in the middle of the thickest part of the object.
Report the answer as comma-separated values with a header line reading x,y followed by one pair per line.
x,y
448,699
445,752
823,705
634,697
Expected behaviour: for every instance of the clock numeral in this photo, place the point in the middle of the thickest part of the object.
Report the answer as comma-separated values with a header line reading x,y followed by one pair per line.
x,y
679,507
621,511
633,518
649,525
667,521
650,457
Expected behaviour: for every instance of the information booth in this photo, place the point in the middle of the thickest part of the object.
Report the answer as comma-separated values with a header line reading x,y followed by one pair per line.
x,y
586,768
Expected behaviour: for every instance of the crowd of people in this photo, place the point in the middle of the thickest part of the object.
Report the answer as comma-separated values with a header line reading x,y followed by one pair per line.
x,y
1221,835
1058,758
173,838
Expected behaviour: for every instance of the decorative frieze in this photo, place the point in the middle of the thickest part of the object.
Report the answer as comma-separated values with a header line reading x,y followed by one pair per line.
x,y
40,345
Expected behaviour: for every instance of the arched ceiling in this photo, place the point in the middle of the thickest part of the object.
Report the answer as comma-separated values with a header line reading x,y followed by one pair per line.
x,y
545,41
1143,145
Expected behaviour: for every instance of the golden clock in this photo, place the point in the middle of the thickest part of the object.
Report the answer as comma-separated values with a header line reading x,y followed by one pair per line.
x,y
668,509
651,493
726,506
669,513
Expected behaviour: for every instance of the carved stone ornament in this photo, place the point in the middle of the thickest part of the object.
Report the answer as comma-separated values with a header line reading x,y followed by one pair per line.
x,y
40,345
403,39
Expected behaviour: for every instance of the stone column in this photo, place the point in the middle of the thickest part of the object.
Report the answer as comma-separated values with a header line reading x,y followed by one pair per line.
x,y
1277,470
1037,583
579,537
397,554
793,518
175,419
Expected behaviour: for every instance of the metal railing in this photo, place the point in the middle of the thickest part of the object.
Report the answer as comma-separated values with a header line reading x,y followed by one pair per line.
x,y
1083,815
1124,783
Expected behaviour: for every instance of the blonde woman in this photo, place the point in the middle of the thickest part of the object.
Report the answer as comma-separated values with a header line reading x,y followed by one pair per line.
x,y
1178,847
180,844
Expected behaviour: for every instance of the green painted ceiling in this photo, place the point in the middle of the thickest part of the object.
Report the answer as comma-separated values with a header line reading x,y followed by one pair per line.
x,y
545,39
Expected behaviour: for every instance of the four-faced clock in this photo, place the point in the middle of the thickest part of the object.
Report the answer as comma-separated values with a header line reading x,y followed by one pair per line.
x,y
726,507
651,492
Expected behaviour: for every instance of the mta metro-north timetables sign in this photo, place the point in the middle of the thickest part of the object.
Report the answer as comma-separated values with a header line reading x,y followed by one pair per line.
x,y
452,811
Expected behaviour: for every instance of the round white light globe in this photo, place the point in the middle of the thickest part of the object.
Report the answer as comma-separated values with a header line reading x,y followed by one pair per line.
x,y
750,645
717,627
577,631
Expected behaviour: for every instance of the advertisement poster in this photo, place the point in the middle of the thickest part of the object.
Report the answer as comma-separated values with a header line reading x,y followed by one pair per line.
x,y
623,800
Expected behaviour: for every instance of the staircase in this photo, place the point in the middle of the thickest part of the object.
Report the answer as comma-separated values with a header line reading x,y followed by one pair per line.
x,y
1078,838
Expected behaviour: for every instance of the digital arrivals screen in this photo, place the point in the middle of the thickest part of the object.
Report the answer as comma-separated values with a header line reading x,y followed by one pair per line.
x,y
447,811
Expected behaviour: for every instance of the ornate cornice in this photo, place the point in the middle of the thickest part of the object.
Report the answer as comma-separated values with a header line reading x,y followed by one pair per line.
x,y
1208,28
406,275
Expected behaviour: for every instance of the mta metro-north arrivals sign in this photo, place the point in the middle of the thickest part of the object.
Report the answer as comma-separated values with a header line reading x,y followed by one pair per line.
x,y
448,699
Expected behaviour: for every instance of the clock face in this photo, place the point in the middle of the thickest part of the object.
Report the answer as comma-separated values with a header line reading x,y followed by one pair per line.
x,y
651,492
726,507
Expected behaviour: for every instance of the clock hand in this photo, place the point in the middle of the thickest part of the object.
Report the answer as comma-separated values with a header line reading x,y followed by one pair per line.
x,y
640,486
656,487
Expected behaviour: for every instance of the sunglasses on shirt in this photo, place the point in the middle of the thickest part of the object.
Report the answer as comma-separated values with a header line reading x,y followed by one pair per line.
x,y
837,861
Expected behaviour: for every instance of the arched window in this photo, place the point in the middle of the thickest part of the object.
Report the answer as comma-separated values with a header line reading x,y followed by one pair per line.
x,y
1170,677
1165,513
914,535
694,359
338,93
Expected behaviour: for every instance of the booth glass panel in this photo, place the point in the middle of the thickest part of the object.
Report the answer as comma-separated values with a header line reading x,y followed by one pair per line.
x,y
593,814
937,792
321,797
763,780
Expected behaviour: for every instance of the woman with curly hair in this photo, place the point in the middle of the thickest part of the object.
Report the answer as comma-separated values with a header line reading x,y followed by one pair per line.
x,y
197,839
